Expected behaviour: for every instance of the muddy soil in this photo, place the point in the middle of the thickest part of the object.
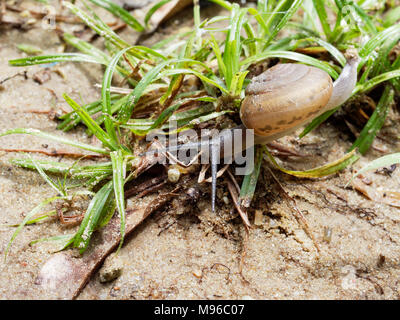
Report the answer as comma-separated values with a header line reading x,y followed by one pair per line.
x,y
197,255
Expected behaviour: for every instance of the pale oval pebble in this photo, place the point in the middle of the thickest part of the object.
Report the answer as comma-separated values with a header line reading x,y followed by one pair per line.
x,y
173,175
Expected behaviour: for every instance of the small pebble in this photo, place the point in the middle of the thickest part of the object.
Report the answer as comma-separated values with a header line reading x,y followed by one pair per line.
x,y
173,175
197,273
31,21
111,269
327,234
135,162
225,199
25,14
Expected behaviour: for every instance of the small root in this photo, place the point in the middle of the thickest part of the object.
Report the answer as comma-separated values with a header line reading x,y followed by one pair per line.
x,y
23,74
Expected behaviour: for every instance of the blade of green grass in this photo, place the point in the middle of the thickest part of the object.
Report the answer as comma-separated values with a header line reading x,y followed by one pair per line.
x,y
182,117
27,218
317,121
153,9
292,56
92,217
120,12
319,6
368,85
201,76
29,49
322,171
391,17
77,172
331,49
177,80
71,119
126,110
232,51
164,116
86,48
201,119
65,238
366,27
91,124
38,133
69,57
259,18
375,122
224,4
278,19
384,161
106,95
57,188
97,25
378,39
118,186
250,181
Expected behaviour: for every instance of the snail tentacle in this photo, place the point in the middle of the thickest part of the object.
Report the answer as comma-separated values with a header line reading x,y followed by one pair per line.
x,y
344,85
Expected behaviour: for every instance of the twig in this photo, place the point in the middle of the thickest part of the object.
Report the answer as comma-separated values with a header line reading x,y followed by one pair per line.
x,y
2,9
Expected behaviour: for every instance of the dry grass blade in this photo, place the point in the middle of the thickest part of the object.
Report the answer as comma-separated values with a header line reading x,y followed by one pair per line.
x,y
235,197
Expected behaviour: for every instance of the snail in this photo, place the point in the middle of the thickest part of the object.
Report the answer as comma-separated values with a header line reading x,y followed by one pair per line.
x,y
279,101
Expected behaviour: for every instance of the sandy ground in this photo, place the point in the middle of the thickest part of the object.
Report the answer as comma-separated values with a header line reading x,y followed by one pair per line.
x,y
198,255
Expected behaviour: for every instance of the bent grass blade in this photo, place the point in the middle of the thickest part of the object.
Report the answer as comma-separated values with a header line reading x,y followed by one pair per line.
x,y
38,133
319,172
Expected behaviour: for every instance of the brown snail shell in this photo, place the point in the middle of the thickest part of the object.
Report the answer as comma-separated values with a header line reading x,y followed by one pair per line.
x,y
284,97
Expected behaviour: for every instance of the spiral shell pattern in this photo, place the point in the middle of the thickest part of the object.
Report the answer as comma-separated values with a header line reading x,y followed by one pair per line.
x,y
285,96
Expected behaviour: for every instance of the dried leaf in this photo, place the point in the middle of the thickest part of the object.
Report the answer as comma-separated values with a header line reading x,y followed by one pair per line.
x,y
167,11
